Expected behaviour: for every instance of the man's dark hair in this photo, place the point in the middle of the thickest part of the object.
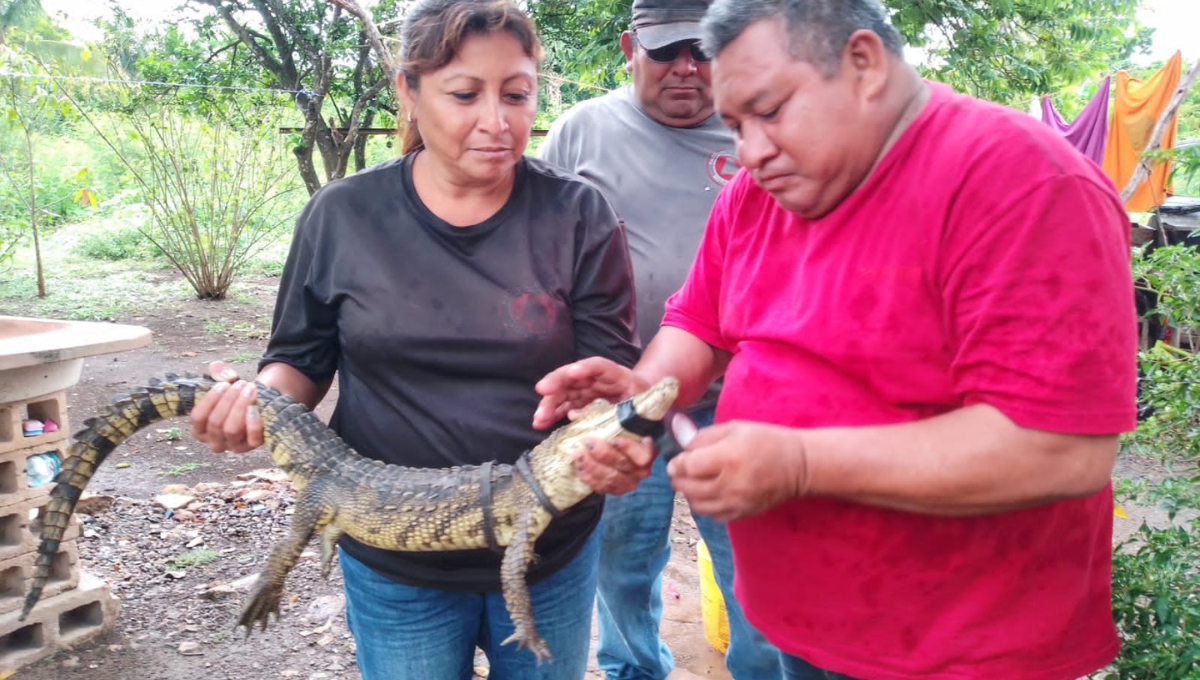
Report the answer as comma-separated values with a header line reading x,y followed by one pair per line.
x,y
817,30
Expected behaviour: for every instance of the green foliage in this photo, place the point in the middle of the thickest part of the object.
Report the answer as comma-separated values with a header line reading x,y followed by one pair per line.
x,y
1002,50
1008,50
121,242
1156,604
1156,572
1171,387
1173,273
33,107
19,18
1185,173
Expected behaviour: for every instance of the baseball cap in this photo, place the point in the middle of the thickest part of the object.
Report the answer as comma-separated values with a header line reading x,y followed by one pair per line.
x,y
659,23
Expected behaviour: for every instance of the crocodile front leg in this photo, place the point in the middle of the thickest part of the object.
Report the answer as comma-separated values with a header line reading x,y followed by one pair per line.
x,y
516,561
311,516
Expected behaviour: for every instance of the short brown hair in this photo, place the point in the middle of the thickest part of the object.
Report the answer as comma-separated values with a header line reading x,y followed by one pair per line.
x,y
434,31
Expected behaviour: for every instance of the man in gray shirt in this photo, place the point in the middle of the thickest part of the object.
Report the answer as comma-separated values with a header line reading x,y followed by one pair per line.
x,y
660,156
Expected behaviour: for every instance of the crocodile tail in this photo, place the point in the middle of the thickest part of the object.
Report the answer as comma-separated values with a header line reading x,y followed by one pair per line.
x,y
116,423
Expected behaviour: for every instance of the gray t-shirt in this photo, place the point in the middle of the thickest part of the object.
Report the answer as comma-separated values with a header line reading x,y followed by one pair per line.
x,y
661,180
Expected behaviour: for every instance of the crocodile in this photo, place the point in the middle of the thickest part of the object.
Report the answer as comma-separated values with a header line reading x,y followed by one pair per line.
x,y
501,506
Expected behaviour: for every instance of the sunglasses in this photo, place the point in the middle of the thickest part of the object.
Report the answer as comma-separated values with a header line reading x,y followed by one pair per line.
x,y
669,53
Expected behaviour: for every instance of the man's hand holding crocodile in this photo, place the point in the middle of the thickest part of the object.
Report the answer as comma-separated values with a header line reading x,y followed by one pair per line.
x,y
568,389
612,469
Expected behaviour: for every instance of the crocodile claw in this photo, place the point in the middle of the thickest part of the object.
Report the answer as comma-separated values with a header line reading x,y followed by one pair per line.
x,y
526,639
264,603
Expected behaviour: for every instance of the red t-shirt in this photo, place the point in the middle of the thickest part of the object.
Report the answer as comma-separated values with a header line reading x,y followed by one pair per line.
x,y
984,261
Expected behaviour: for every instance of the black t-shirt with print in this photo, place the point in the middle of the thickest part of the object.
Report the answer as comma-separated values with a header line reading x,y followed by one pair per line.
x,y
438,333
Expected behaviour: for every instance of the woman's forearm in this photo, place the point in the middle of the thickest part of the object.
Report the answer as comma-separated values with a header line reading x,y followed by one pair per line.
x,y
294,384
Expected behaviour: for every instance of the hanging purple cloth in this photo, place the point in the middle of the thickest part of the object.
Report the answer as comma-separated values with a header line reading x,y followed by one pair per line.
x,y
1089,131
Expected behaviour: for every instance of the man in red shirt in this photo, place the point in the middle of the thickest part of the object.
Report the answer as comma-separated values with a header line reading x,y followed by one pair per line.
x,y
922,308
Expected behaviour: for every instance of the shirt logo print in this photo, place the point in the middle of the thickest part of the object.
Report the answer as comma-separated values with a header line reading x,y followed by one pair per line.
x,y
722,166
532,312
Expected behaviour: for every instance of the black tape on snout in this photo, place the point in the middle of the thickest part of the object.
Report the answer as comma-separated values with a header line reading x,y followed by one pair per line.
x,y
629,419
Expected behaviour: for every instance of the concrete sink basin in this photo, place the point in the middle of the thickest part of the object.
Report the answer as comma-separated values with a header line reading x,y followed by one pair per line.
x,y
40,356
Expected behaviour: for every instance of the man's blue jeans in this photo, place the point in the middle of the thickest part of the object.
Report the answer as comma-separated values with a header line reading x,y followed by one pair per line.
x,y
407,633
636,548
795,668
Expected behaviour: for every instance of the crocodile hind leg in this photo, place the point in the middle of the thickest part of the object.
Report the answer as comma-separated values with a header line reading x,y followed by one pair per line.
x,y
311,516
516,561
329,539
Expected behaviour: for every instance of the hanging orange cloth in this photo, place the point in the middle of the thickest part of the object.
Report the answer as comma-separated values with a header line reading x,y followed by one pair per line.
x,y
1136,110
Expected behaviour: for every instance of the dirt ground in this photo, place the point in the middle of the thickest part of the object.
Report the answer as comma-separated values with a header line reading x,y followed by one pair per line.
x,y
182,576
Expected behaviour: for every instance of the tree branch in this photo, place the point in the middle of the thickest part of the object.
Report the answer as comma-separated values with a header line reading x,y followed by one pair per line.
x,y
1160,129
356,112
302,43
213,55
282,45
269,62
373,35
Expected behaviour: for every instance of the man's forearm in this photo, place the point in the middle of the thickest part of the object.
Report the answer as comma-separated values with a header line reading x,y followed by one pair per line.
x,y
677,353
972,461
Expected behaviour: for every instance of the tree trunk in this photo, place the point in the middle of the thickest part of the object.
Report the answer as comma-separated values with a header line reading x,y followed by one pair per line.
x,y
360,143
304,161
33,221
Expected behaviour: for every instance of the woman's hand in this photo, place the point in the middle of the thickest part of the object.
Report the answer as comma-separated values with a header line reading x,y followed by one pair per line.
x,y
615,468
227,419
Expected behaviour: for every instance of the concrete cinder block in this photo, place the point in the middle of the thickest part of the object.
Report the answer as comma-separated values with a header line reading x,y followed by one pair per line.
x,y
14,482
52,406
20,527
16,572
64,620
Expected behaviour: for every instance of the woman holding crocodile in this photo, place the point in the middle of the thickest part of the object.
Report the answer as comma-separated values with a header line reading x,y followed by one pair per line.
x,y
440,287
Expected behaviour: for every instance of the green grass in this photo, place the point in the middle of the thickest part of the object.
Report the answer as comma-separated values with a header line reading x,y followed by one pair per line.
x,y
245,329
243,357
99,270
250,331
81,288
196,558
215,327
183,469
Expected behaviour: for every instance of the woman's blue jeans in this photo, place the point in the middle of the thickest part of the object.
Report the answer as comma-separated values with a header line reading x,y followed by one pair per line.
x,y
407,633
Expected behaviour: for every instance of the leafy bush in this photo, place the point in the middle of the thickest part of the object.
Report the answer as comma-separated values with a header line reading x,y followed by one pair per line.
x,y
1156,604
216,193
1156,572
125,242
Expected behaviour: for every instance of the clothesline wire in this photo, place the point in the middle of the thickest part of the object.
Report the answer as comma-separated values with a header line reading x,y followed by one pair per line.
x,y
238,88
